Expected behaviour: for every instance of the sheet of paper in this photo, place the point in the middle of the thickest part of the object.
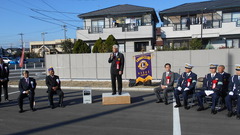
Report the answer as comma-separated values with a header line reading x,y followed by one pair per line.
x,y
209,92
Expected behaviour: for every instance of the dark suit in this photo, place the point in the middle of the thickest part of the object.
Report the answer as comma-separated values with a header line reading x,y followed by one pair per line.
x,y
224,91
4,73
208,85
167,83
185,81
25,85
117,64
234,86
54,81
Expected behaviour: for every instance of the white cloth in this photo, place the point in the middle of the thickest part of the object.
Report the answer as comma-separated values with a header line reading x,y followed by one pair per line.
x,y
231,93
167,73
212,75
179,88
186,89
209,92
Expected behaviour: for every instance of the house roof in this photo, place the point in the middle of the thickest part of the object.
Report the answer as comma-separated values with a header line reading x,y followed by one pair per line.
x,y
198,7
119,10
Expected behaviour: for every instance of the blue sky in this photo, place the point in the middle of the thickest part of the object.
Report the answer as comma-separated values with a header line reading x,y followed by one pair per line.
x,y
16,17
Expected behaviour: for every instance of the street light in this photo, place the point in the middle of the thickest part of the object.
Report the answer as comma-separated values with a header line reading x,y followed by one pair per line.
x,y
43,46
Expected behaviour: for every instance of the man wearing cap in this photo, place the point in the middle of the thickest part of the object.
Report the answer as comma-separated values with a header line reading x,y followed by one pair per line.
x,y
26,87
117,65
186,85
4,74
167,83
225,77
234,93
212,86
54,87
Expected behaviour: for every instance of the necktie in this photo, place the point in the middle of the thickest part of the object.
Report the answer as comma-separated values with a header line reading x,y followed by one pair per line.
x,y
27,80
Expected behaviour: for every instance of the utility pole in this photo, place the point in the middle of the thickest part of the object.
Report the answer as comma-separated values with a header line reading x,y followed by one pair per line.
x,y
65,31
43,46
21,34
202,25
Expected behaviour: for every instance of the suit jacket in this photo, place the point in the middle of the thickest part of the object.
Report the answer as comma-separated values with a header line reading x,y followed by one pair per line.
x,y
53,82
226,77
208,82
4,72
234,85
24,86
189,81
113,60
171,80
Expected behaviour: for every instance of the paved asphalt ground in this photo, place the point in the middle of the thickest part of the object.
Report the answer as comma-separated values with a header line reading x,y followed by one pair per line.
x,y
142,117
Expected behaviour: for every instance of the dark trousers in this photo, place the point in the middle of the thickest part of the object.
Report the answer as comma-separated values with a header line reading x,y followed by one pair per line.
x,y
59,93
30,97
119,80
215,96
229,100
185,96
5,89
165,91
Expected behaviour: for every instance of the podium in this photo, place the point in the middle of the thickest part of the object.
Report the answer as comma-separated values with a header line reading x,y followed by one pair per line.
x,y
109,99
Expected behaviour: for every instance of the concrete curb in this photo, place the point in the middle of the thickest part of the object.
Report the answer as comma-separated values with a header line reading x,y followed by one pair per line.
x,y
93,88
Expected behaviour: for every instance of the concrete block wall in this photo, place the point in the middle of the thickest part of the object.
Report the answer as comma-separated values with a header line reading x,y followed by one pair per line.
x,y
96,66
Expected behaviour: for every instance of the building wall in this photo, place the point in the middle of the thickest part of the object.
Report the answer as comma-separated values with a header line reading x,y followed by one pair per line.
x,y
96,66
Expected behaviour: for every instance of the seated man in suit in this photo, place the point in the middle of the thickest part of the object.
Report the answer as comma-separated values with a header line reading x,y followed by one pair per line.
x,y
186,86
26,86
167,83
212,86
225,77
234,93
54,87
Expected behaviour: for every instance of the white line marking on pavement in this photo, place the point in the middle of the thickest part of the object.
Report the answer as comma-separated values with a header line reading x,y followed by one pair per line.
x,y
11,93
176,120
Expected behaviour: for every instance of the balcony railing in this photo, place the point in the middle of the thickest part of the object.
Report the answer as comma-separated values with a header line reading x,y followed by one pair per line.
x,y
125,28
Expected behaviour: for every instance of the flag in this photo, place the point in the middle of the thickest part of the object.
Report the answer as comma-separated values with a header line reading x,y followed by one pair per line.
x,y
143,67
21,59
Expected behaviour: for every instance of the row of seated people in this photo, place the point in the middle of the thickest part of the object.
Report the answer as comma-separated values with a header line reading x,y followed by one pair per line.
x,y
217,85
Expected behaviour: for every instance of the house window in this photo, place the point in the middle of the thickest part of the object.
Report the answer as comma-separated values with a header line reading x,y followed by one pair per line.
x,y
140,46
97,26
121,47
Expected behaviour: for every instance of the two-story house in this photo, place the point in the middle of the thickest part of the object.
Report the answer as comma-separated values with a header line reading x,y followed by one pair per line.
x,y
132,26
215,23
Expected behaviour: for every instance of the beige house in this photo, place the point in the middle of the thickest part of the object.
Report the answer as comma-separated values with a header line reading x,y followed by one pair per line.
x,y
51,47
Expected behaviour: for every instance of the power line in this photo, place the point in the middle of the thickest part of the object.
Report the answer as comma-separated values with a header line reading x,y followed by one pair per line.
x,y
54,8
58,19
56,11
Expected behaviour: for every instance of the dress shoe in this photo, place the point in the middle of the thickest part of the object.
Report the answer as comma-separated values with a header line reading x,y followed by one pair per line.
x,y
176,106
6,100
33,109
186,107
238,116
166,103
230,113
200,109
52,106
21,111
114,93
213,111
120,93
159,101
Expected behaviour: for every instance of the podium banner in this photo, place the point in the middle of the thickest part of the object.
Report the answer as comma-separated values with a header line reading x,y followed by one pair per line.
x,y
143,67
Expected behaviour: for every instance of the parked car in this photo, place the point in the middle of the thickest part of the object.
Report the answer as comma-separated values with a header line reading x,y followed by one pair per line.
x,y
6,60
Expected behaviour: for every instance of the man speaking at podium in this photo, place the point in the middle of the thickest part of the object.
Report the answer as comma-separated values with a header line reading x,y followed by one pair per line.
x,y
117,65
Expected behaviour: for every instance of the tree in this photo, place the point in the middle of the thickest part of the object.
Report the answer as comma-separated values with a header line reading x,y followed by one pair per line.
x,y
97,46
81,47
110,41
67,46
195,44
